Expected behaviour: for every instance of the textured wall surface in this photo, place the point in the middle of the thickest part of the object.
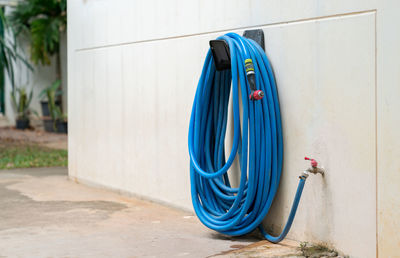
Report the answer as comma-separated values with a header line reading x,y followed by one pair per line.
x,y
133,69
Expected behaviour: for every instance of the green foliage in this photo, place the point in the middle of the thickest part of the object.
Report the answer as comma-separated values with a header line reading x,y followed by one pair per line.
x,y
9,54
21,156
22,100
42,21
7,49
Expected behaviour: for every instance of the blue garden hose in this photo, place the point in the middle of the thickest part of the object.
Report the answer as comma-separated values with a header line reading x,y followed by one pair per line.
x,y
257,141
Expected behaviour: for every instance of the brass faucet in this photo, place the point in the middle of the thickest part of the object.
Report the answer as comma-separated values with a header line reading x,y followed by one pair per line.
x,y
313,169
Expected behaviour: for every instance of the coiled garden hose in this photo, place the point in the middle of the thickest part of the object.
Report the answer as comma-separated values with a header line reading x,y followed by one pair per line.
x,y
257,141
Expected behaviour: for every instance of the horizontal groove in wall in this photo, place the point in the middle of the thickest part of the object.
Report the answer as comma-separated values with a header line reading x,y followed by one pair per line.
x,y
335,16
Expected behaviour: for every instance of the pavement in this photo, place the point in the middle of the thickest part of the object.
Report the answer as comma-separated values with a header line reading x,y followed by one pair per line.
x,y
44,214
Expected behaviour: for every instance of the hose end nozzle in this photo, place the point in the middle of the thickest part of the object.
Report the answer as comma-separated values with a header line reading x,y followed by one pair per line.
x,y
257,95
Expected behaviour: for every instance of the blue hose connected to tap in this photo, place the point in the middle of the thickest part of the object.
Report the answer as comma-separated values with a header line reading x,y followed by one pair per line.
x,y
257,142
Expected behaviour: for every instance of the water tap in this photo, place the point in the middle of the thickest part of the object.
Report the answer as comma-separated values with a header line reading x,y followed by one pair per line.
x,y
313,169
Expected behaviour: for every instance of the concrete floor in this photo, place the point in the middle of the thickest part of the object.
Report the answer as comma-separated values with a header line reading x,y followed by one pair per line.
x,y
43,214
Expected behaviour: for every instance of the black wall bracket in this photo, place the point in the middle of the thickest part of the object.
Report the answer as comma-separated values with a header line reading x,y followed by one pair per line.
x,y
256,35
221,55
220,49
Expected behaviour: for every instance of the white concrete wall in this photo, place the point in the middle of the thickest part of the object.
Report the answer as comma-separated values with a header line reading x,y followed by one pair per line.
x,y
133,69
388,124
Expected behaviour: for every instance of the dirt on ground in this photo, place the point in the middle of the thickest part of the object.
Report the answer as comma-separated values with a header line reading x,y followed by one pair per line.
x,y
50,140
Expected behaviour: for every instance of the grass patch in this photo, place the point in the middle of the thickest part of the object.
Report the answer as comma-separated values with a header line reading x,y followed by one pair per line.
x,y
22,155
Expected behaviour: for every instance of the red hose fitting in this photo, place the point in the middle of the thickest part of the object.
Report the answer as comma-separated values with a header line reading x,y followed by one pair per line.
x,y
314,163
257,95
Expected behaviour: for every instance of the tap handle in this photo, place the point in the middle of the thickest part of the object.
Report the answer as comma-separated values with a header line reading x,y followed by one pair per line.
x,y
314,163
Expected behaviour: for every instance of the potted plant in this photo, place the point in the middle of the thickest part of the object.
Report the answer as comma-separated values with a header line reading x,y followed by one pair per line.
x,y
51,91
22,103
56,121
44,104
43,21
